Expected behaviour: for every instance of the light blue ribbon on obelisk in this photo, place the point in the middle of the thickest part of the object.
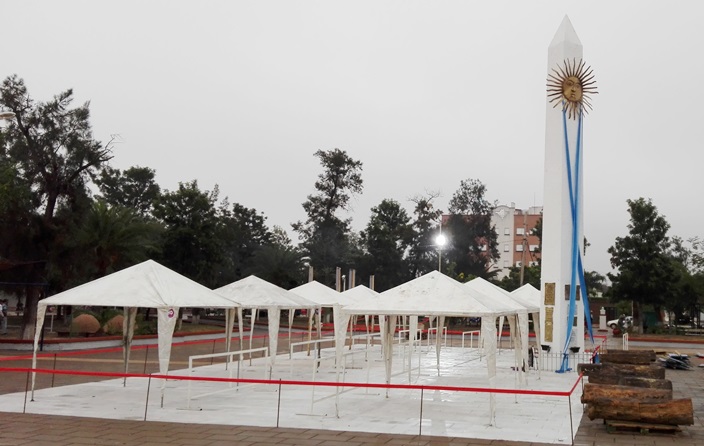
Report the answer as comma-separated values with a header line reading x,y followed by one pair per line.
x,y
577,268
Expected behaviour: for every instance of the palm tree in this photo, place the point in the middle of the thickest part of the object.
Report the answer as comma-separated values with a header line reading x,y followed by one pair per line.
x,y
116,237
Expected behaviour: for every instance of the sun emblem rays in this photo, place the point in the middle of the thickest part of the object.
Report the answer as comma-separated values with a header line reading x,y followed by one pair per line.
x,y
570,84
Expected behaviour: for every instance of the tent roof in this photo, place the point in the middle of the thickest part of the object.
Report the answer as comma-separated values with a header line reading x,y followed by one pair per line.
x,y
320,294
499,298
253,292
529,296
147,285
433,294
360,293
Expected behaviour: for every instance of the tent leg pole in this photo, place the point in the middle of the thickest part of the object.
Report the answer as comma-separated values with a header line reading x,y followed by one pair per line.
x,y
146,354
420,421
26,390
53,375
146,402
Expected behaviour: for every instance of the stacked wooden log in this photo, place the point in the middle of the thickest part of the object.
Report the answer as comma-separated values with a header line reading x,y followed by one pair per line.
x,y
630,386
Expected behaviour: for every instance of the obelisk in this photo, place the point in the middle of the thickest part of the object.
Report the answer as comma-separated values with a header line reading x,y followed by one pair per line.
x,y
562,238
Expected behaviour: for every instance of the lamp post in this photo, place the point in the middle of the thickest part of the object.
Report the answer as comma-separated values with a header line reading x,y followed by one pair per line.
x,y
5,116
440,241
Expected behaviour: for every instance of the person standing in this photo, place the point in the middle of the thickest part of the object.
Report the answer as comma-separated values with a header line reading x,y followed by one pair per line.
x,y
3,322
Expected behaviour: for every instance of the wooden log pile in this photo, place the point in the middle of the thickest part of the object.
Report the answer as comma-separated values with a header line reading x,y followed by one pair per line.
x,y
630,386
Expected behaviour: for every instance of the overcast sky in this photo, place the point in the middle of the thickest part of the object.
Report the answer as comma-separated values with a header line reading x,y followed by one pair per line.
x,y
425,94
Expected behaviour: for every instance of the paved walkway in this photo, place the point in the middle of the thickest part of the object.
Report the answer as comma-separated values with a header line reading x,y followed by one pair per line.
x,y
38,430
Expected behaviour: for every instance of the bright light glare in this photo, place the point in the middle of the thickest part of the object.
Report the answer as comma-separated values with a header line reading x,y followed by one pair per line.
x,y
441,240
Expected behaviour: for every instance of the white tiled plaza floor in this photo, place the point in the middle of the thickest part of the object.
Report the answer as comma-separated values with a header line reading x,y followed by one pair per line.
x,y
444,413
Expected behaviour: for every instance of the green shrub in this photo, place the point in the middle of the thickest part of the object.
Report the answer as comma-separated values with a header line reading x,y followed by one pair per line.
x,y
146,328
114,325
85,323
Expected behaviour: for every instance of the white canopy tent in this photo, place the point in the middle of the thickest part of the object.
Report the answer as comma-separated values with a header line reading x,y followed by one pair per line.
x,y
255,293
435,294
323,296
360,294
519,317
529,296
146,285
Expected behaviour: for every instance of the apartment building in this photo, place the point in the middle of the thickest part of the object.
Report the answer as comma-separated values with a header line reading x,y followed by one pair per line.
x,y
516,242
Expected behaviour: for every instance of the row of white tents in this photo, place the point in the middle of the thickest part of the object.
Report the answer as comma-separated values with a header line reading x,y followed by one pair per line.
x,y
434,295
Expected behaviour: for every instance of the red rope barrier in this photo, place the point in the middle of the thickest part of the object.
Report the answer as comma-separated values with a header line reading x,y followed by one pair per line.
x,y
297,383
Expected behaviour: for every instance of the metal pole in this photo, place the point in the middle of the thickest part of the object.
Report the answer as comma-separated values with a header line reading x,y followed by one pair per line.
x,y
26,390
278,407
146,403
146,353
569,401
53,375
420,424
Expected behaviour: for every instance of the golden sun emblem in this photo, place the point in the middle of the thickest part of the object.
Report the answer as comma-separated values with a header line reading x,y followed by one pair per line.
x,y
570,85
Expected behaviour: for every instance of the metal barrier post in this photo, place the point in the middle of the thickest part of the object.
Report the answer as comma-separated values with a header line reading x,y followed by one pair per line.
x,y
53,375
278,406
420,421
569,402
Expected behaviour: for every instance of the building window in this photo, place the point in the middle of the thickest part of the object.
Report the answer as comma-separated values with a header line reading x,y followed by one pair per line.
x,y
505,263
518,264
520,231
519,248
534,248
507,231
532,263
505,247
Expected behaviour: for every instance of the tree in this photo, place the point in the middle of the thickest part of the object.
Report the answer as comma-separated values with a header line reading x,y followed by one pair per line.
x,y
697,257
133,188
645,271
386,239
52,147
595,283
688,291
51,142
114,237
531,275
190,243
324,234
278,262
422,255
472,240
242,232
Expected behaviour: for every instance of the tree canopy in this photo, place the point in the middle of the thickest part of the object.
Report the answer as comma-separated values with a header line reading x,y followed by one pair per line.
x,y
644,270
472,240
325,234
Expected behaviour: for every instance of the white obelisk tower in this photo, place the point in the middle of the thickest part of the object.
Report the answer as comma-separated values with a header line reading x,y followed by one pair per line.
x,y
558,237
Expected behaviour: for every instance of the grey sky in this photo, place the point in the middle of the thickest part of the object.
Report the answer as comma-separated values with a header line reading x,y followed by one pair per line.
x,y
425,94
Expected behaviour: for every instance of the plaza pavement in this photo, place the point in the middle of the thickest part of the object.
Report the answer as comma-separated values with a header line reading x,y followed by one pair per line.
x,y
39,430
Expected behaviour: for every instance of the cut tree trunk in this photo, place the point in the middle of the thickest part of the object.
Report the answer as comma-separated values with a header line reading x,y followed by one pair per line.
x,y
643,357
605,393
674,412
612,373
649,383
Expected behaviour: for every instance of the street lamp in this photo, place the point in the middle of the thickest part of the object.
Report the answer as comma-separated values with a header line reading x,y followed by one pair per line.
x,y
6,116
440,241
